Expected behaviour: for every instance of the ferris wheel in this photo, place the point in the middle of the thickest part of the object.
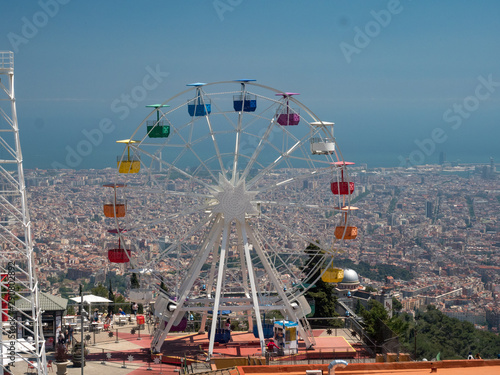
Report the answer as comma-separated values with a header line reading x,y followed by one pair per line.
x,y
235,195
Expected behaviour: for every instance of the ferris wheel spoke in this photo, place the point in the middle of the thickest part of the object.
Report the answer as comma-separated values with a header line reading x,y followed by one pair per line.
x,y
182,238
284,154
188,146
185,194
170,217
244,266
238,135
291,258
272,165
274,257
184,173
216,146
189,281
280,291
258,150
237,147
301,177
295,205
290,230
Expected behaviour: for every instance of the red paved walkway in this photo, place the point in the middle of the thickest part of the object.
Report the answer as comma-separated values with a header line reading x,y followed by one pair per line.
x,y
194,347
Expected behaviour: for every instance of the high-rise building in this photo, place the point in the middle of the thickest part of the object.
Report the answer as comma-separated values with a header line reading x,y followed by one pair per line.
x,y
390,220
428,209
442,157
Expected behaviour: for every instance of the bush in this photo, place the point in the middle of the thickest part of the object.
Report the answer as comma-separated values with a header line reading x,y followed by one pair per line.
x,y
61,354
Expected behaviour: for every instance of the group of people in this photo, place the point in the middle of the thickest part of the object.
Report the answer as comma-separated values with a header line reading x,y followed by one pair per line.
x,y
64,338
478,356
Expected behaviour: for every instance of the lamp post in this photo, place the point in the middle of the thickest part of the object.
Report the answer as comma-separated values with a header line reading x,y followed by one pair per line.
x,y
415,339
81,326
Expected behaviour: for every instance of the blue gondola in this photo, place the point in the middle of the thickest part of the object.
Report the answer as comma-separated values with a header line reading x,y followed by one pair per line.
x,y
249,103
244,101
199,106
267,330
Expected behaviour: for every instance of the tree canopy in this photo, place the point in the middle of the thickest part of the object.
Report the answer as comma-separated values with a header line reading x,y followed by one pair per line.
x,y
377,272
437,333
323,295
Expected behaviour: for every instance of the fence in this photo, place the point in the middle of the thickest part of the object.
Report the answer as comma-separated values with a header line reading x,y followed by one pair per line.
x,y
6,60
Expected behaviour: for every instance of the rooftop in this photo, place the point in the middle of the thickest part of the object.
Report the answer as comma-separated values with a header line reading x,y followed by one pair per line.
x,y
457,367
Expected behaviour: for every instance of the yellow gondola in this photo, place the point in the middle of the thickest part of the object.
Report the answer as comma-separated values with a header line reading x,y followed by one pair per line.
x,y
130,164
333,275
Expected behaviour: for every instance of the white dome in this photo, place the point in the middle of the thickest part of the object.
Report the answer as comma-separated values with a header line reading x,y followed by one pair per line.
x,y
350,277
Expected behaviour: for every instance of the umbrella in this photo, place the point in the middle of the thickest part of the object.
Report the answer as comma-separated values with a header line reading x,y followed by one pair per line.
x,y
90,298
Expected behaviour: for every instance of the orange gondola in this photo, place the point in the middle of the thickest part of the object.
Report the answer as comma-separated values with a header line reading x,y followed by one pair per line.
x,y
114,207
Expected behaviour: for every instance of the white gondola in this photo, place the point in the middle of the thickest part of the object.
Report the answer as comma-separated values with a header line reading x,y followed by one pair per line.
x,y
323,145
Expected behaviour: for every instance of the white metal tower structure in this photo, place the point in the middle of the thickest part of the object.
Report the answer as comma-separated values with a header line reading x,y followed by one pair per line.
x,y
18,279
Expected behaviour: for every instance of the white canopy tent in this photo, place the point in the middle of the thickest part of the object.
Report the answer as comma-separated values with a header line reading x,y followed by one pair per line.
x,y
91,299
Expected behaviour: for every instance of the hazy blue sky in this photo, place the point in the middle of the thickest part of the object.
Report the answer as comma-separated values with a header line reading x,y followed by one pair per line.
x,y
390,74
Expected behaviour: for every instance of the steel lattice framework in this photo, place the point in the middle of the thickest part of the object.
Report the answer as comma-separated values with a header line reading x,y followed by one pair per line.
x,y
19,285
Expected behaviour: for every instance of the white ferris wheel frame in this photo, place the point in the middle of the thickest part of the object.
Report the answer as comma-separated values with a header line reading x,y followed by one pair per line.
x,y
234,185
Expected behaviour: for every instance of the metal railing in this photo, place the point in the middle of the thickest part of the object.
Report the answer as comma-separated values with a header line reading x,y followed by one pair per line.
x,y
7,60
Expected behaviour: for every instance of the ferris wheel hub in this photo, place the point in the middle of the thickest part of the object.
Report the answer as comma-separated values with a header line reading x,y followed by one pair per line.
x,y
234,201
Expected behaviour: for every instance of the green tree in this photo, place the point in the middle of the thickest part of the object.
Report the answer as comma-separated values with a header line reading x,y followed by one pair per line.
x,y
433,332
274,314
359,308
121,302
134,281
65,291
396,306
111,295
323,294
372,318
163,286
100,290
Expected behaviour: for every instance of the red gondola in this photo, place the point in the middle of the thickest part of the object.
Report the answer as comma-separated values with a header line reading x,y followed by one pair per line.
x,y
119,255
342,187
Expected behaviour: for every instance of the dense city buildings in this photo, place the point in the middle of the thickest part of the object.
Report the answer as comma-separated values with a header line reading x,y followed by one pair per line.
x,y
440,223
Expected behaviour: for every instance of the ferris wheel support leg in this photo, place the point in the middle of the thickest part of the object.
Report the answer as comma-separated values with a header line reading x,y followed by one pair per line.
x,y
210,284
269,270
244,273
253,288
186,286
220,275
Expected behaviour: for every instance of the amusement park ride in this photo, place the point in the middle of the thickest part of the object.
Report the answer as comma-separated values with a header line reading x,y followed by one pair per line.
x,y
17,269
226,185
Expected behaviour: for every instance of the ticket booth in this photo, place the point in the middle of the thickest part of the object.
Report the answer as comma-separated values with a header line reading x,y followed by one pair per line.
x,y
286,337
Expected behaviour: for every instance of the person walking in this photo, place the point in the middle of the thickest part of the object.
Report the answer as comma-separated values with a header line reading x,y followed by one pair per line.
x,y
135,307
69,337
61,340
